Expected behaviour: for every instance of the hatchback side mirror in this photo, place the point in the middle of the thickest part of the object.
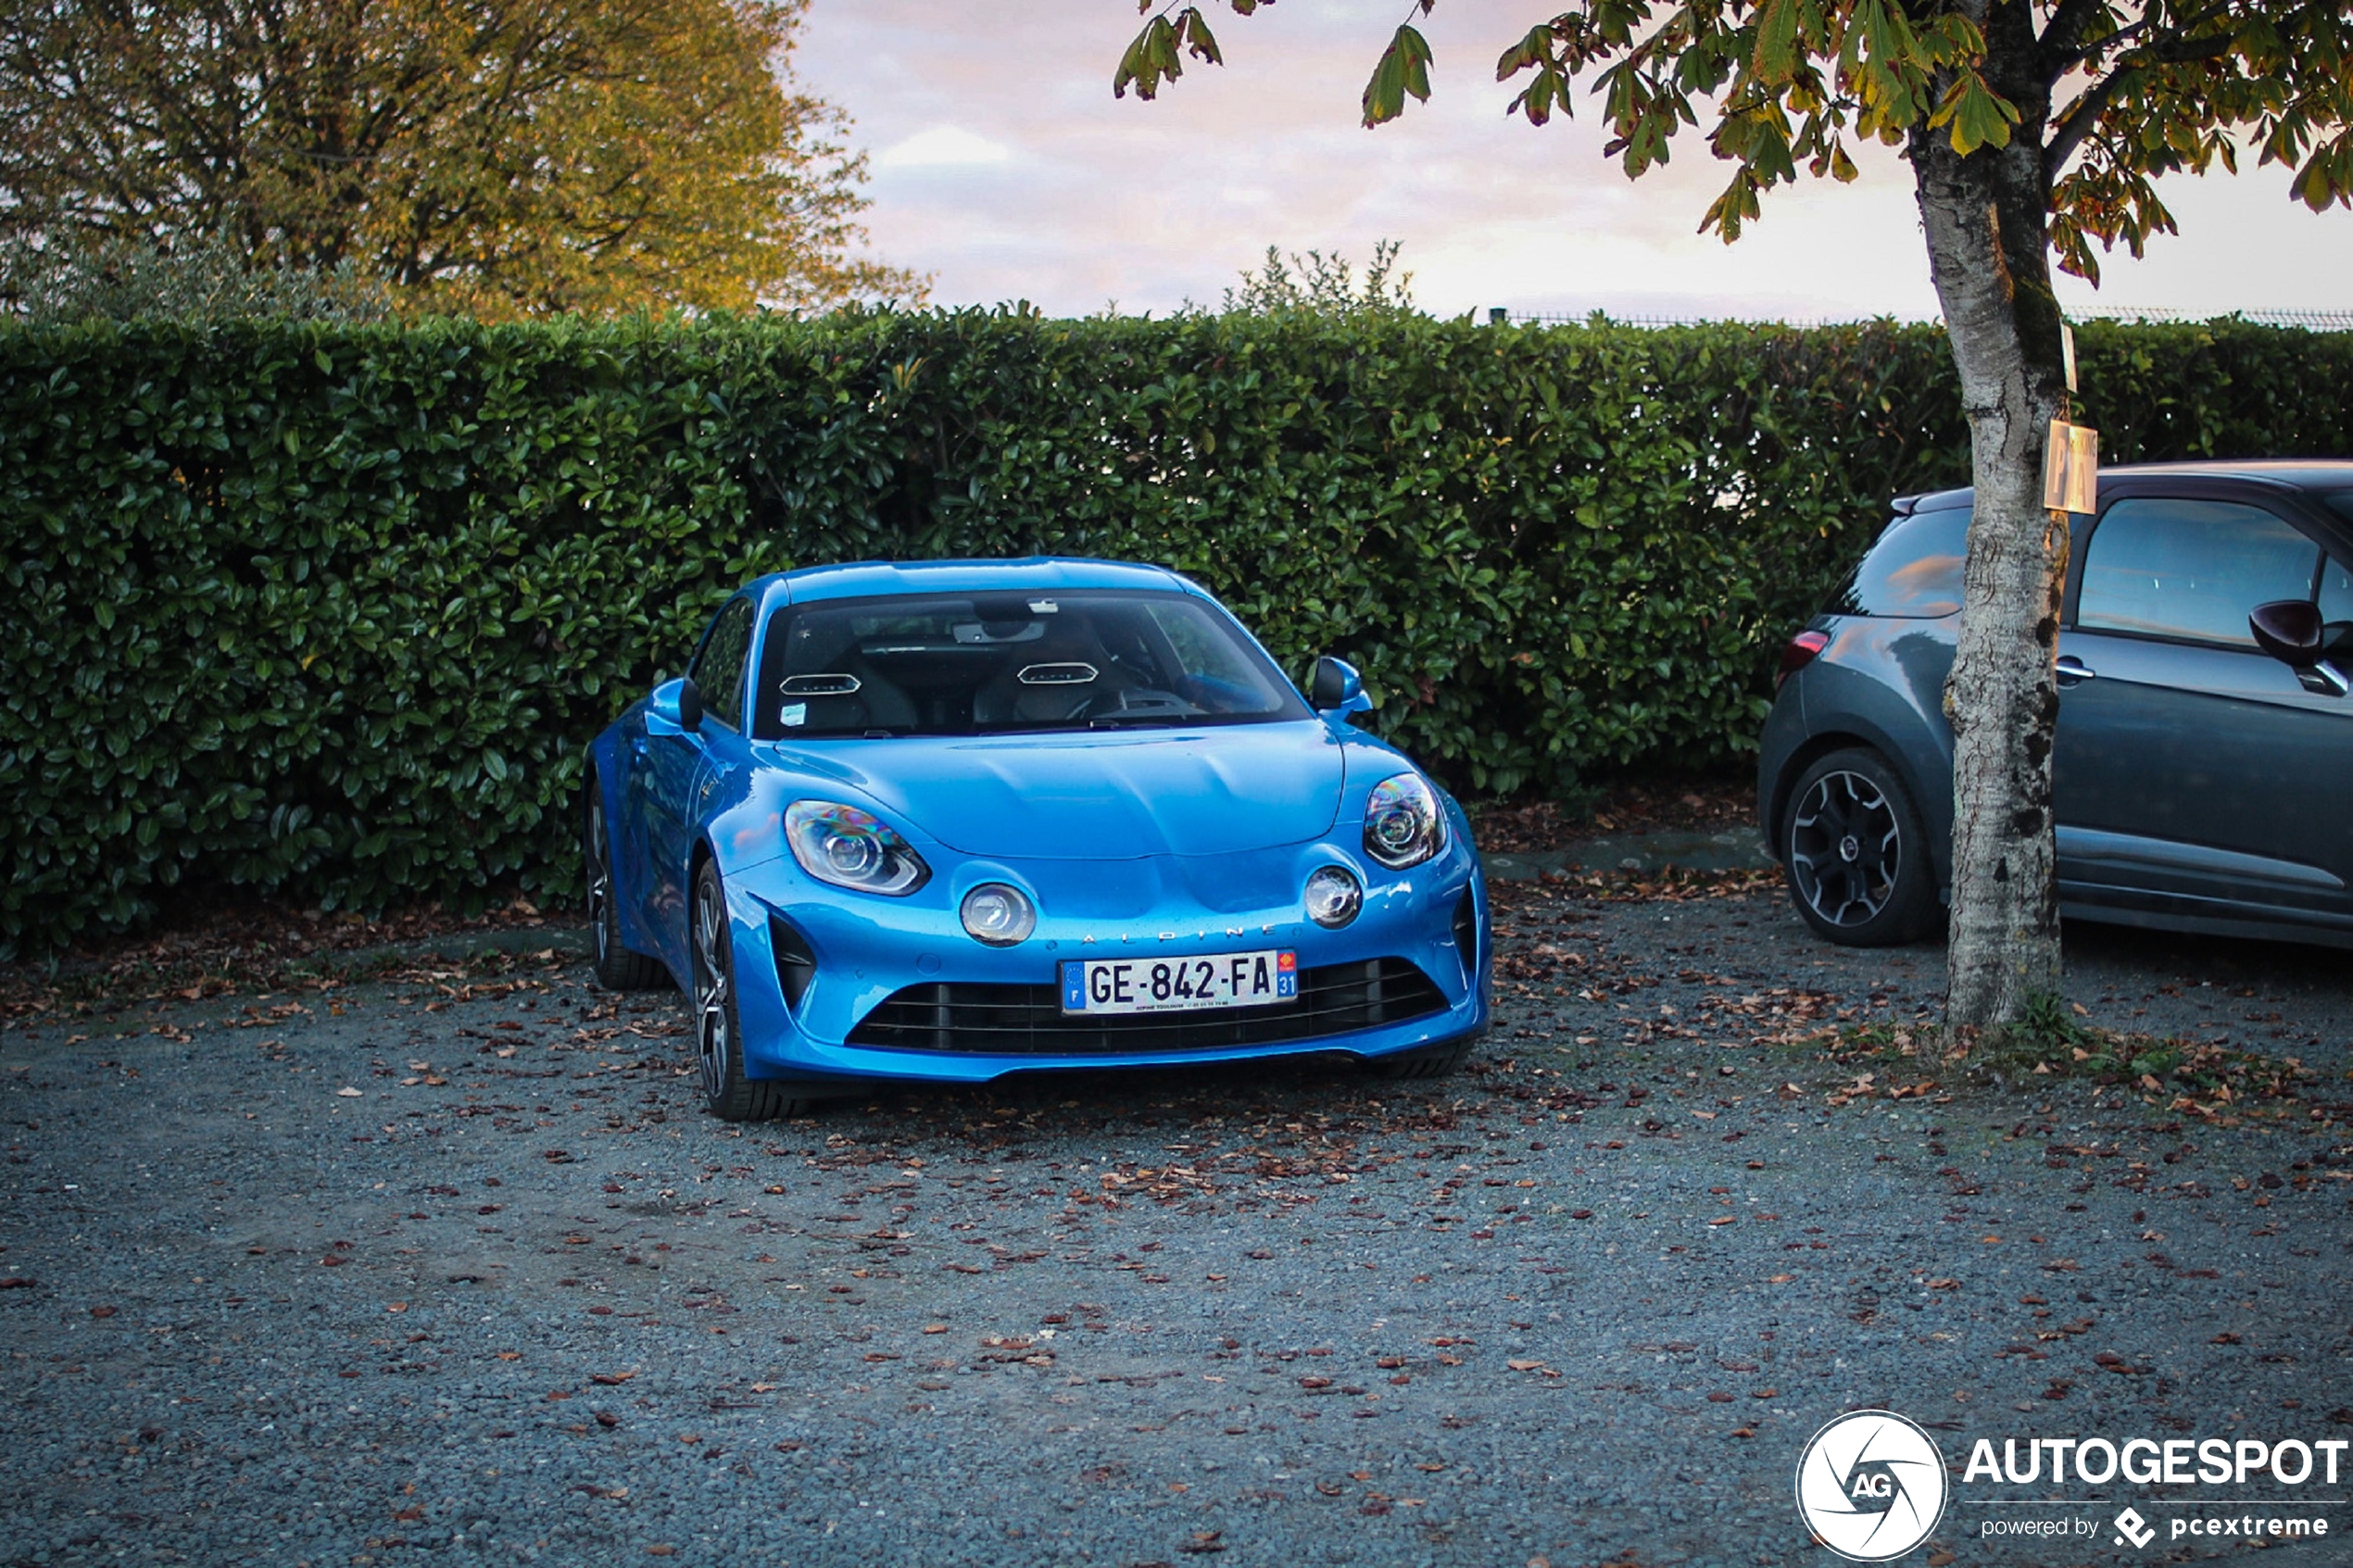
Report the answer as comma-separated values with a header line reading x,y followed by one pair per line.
x,y
2292,631
2289,630
677,704
1335,687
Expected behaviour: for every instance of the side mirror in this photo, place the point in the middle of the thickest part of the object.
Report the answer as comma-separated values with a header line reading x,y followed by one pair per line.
x,y
675,704
1335,687
2289,630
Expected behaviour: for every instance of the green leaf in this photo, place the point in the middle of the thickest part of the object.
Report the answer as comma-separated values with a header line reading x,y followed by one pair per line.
x,y
1534,49
1403,69
1979,117
1198,39
1150,60
1775,60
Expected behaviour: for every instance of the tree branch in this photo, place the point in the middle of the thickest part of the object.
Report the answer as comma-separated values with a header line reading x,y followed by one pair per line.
x,y
2077,122
2062,40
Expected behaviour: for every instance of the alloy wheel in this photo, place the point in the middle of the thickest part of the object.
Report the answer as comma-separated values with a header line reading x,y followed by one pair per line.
x,y
712,1036
600,870
1845,850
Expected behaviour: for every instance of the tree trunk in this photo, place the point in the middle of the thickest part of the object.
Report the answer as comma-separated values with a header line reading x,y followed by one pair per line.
x,y
1985,216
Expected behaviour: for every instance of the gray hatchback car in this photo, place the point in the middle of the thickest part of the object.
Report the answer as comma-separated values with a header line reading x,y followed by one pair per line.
x,y
2205,713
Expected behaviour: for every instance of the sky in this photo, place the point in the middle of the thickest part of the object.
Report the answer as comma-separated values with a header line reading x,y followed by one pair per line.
x,y
1002,166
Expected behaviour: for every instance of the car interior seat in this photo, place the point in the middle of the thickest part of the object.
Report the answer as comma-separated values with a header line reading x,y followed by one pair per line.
x,y
832,689
1052,680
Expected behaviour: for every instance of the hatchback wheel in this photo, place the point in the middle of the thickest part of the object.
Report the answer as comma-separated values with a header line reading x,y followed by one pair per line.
x,y
1856,857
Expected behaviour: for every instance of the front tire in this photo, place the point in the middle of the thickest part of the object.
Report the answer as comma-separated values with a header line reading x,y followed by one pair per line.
x,y
727,1092
1856,855
1440,1060
617,968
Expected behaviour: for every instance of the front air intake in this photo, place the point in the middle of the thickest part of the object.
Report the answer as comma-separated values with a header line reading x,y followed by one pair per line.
x,y
1028,1020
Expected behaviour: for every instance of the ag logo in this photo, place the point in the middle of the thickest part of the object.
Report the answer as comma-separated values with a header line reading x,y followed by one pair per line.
x,y
1871,1485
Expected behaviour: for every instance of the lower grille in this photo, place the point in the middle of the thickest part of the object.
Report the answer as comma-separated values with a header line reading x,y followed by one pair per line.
x,y
1028,1020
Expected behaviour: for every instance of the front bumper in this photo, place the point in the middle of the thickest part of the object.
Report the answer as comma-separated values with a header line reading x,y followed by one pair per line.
x,y
858,968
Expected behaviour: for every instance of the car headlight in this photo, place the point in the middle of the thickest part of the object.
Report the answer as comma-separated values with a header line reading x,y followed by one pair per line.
x,y
1402,824
852,848
999,915
1333,896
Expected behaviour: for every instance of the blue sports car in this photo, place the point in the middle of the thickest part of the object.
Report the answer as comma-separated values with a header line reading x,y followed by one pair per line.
x,y
949,821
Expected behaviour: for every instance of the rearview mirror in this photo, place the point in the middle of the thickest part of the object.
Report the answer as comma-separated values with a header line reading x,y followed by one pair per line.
x,y
676,704
1335,687
2289,630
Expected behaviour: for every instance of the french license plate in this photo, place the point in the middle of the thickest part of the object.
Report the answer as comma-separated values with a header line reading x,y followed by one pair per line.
x,y
1207,980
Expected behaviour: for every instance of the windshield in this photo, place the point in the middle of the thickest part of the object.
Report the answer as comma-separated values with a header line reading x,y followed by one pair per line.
x,y
944,664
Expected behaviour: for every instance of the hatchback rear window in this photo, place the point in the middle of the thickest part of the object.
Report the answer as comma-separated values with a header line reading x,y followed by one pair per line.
x,y
1915,570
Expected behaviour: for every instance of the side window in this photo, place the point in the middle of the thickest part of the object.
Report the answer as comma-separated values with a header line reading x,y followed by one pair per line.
x,y
1914,571
719,667
2190,569
2336,592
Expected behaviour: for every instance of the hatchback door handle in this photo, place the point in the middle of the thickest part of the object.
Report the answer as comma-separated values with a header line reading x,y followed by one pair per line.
x,y
2074,672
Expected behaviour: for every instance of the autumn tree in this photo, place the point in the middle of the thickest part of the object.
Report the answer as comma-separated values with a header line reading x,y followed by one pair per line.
x,y
2033,128
496,155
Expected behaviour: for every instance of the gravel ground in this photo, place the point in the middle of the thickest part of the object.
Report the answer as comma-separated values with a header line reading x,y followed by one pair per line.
x,y
448,1267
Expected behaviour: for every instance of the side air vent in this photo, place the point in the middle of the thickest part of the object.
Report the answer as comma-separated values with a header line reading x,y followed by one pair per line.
x,y
1466,935
796,965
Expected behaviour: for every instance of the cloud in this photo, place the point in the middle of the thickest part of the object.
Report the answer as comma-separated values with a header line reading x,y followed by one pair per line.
x,y
1006,168
944,146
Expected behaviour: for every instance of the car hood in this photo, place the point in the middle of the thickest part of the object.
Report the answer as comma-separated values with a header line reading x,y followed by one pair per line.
x,y
1209,791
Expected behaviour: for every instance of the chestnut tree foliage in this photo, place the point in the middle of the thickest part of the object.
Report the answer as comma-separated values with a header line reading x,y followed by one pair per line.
x,y
498,157
2034,129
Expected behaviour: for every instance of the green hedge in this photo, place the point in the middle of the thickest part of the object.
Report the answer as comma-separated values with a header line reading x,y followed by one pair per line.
x,y
329,611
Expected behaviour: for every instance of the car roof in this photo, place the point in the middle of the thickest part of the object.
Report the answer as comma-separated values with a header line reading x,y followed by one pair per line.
x,y
2299,473
875,579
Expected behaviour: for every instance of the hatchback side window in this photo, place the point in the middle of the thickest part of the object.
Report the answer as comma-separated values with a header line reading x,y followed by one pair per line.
x,y
719,667
2190,569
2336,592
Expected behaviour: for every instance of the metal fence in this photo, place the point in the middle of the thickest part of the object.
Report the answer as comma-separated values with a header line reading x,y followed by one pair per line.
x,y
2312,320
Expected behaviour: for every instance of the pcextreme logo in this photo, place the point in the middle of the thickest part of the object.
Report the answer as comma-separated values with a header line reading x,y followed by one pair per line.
x,y
1871,1485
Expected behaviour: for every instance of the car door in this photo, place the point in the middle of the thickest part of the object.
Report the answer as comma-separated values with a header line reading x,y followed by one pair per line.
x,y
727,725
2192,772
672,768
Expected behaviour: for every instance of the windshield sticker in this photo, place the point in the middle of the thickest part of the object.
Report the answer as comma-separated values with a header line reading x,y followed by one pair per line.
x,y
795,715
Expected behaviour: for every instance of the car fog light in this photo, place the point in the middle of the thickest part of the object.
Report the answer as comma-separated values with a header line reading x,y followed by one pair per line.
x,y
999,915
1333,896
